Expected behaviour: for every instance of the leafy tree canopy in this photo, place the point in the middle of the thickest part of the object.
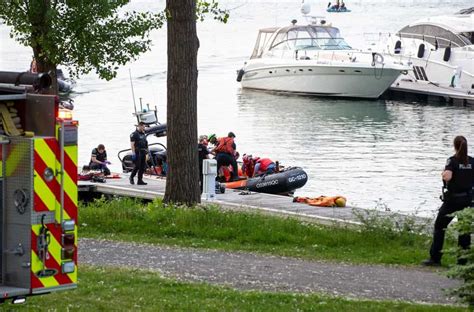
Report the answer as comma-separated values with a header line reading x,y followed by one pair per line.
x,y
87,35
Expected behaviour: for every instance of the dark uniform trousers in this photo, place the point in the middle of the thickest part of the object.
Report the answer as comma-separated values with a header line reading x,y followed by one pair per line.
x,y
450,206
140,164
225,159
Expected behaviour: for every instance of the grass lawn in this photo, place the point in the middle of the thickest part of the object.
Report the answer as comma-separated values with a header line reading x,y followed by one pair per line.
x,y
129,220
132,290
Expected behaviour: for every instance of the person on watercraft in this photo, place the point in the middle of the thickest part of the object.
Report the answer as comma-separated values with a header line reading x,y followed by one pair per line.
x,y
203,153
263,166
139,146
99,160
343,6
226,154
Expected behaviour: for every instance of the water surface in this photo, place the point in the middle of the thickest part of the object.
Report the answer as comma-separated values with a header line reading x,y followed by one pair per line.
x,y
369,151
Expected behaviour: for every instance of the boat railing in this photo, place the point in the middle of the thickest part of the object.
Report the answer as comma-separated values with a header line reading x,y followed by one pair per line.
x,y
404,38
329,57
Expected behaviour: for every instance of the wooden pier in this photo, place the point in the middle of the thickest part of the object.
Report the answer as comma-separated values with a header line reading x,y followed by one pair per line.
x,y
425,91
231,199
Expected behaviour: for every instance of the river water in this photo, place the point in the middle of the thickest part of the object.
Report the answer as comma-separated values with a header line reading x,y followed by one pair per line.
x,y
376,153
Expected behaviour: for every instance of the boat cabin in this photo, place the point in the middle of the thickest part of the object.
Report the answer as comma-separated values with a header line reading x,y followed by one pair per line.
x,y
442,31
293,38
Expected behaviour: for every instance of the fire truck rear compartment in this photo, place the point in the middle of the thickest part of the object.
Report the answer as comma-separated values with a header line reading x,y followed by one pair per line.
x,y
17,215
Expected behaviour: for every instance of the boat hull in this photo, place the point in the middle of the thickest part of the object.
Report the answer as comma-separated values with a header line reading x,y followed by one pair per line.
x,y
284,182
437,71
336,81
331,10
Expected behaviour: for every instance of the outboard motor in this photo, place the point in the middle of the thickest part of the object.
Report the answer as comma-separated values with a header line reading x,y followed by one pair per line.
x,y
421,50
240,74
398,47
447,54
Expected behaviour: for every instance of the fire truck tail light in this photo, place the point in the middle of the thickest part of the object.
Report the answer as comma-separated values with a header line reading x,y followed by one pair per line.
x,y
68,240
64,114
67,253
67,267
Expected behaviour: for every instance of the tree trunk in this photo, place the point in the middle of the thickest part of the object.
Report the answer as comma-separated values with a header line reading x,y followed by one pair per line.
x,y
182,182
40,27
44,66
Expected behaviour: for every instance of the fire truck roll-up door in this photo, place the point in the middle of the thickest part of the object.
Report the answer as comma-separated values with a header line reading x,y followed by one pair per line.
x,y
38,210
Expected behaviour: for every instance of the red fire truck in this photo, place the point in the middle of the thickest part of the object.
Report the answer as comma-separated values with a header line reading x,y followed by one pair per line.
x,y
38,187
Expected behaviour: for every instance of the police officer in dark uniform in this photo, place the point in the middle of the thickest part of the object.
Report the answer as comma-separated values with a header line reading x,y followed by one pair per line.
x,y
203,153
458,177
99,160
139,146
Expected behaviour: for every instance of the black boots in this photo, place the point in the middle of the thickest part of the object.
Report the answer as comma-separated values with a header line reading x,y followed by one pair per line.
x,y
139,182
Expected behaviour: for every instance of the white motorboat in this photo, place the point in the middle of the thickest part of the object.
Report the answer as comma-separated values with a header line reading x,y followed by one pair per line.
x,y
314,59
439,50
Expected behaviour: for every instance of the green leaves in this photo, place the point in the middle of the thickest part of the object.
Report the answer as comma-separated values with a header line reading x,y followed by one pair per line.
x,y
88,35
465,225
204,8
83,35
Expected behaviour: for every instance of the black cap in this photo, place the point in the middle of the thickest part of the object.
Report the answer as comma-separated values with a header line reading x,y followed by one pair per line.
x,y
231,135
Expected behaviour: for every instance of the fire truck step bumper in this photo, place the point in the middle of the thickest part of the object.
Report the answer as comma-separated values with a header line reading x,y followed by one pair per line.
x,y
9,292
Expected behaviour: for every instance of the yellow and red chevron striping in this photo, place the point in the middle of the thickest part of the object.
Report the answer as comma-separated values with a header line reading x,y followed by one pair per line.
x,y
47,197
40,206
69,165
70,176
45,189
52,262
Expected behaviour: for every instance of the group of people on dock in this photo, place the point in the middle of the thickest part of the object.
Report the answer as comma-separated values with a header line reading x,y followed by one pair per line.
x,y
139,150
223,149
226,154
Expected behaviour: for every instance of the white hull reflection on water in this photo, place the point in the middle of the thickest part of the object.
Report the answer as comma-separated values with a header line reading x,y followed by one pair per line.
x,y
364,150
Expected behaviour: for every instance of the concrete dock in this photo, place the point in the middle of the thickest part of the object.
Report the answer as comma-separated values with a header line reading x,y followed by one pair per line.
x,y
231,199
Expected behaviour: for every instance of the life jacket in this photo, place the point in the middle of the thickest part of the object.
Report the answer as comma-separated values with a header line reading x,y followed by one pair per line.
x,y
226,172
248,165
224,145
322,201
264,163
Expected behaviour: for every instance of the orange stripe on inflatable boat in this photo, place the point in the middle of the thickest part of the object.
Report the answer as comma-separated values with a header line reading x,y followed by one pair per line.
x,y
236,184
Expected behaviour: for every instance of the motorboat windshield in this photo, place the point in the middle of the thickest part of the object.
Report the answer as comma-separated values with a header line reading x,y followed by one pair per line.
x,y
293,38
